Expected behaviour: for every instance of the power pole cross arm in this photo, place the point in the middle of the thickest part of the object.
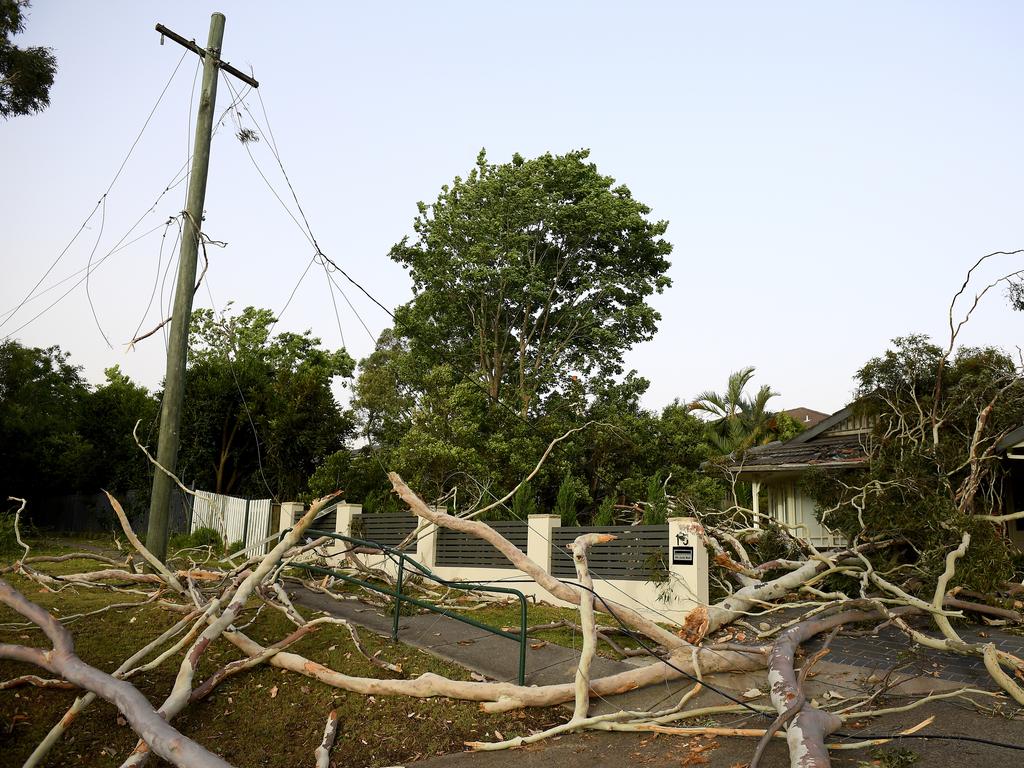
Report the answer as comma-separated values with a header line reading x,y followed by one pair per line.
x,y
177,343
191,45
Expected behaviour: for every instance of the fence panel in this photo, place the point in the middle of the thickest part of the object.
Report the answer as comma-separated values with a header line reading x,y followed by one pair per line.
x,y
639,553
235,519
456,549
259,527
327,520
389,528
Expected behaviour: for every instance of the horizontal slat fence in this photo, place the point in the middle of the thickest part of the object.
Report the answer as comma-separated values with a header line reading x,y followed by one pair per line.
x,y
327,520
389,528
639,553
457,549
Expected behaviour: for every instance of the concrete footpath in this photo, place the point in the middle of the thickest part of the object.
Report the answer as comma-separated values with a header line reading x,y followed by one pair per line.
x,y
495,657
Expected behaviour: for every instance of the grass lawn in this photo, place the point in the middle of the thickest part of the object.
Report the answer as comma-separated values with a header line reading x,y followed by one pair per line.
x,y
264,717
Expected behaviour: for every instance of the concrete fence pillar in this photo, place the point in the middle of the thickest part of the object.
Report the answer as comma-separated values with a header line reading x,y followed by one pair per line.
x,y
539,537
688,559
343,517
426,544
290,512
343,514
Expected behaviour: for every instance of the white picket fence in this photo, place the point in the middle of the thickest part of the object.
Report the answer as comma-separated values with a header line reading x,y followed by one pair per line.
x,y
235,519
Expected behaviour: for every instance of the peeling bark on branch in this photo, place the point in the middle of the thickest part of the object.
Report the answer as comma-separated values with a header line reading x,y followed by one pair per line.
x,y
502,697
323,752
808,726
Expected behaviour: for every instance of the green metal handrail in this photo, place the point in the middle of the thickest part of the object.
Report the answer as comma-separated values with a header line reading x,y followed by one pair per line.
x,y
401,597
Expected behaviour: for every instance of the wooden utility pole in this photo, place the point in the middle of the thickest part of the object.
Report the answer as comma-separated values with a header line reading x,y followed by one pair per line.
x,y
177,346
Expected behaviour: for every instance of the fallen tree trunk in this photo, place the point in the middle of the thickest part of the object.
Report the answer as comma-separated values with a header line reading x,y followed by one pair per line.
x,y
808,725
502,697
589,628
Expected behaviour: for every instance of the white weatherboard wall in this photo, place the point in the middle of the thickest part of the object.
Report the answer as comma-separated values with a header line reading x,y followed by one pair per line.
x,y
664,601
791,506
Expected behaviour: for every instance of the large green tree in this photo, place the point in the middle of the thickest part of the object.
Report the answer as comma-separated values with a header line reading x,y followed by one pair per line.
x,y
531,279
528,273
452,435
108,418
26,74
41,400
260,414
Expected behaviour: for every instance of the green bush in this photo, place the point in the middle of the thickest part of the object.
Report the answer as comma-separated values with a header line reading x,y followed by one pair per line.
x,y
524,503
605,514
178,542
206,537
565,501
200,537
656,511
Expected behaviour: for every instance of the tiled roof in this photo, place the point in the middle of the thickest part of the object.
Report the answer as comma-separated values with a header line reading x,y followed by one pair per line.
x,y
845,450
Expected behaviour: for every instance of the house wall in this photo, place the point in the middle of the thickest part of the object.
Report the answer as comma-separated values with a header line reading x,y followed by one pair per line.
x,y
795,509
854,424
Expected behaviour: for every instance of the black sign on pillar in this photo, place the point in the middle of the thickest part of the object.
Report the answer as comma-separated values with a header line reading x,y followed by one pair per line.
x,y
682,555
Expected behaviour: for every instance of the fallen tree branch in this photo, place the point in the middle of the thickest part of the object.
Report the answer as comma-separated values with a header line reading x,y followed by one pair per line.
x,y
153,560
240,665
38,682
579,549
323,752
981,608
544,579
809,725
61,660
83,702
182,689
991,657
503,697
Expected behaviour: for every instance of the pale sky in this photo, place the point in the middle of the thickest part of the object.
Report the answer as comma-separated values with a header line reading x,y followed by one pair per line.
x,y
829,170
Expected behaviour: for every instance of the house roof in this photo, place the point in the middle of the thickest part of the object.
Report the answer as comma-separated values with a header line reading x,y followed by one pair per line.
x,y
840,451
823,425
806,416
1012,439
829,443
